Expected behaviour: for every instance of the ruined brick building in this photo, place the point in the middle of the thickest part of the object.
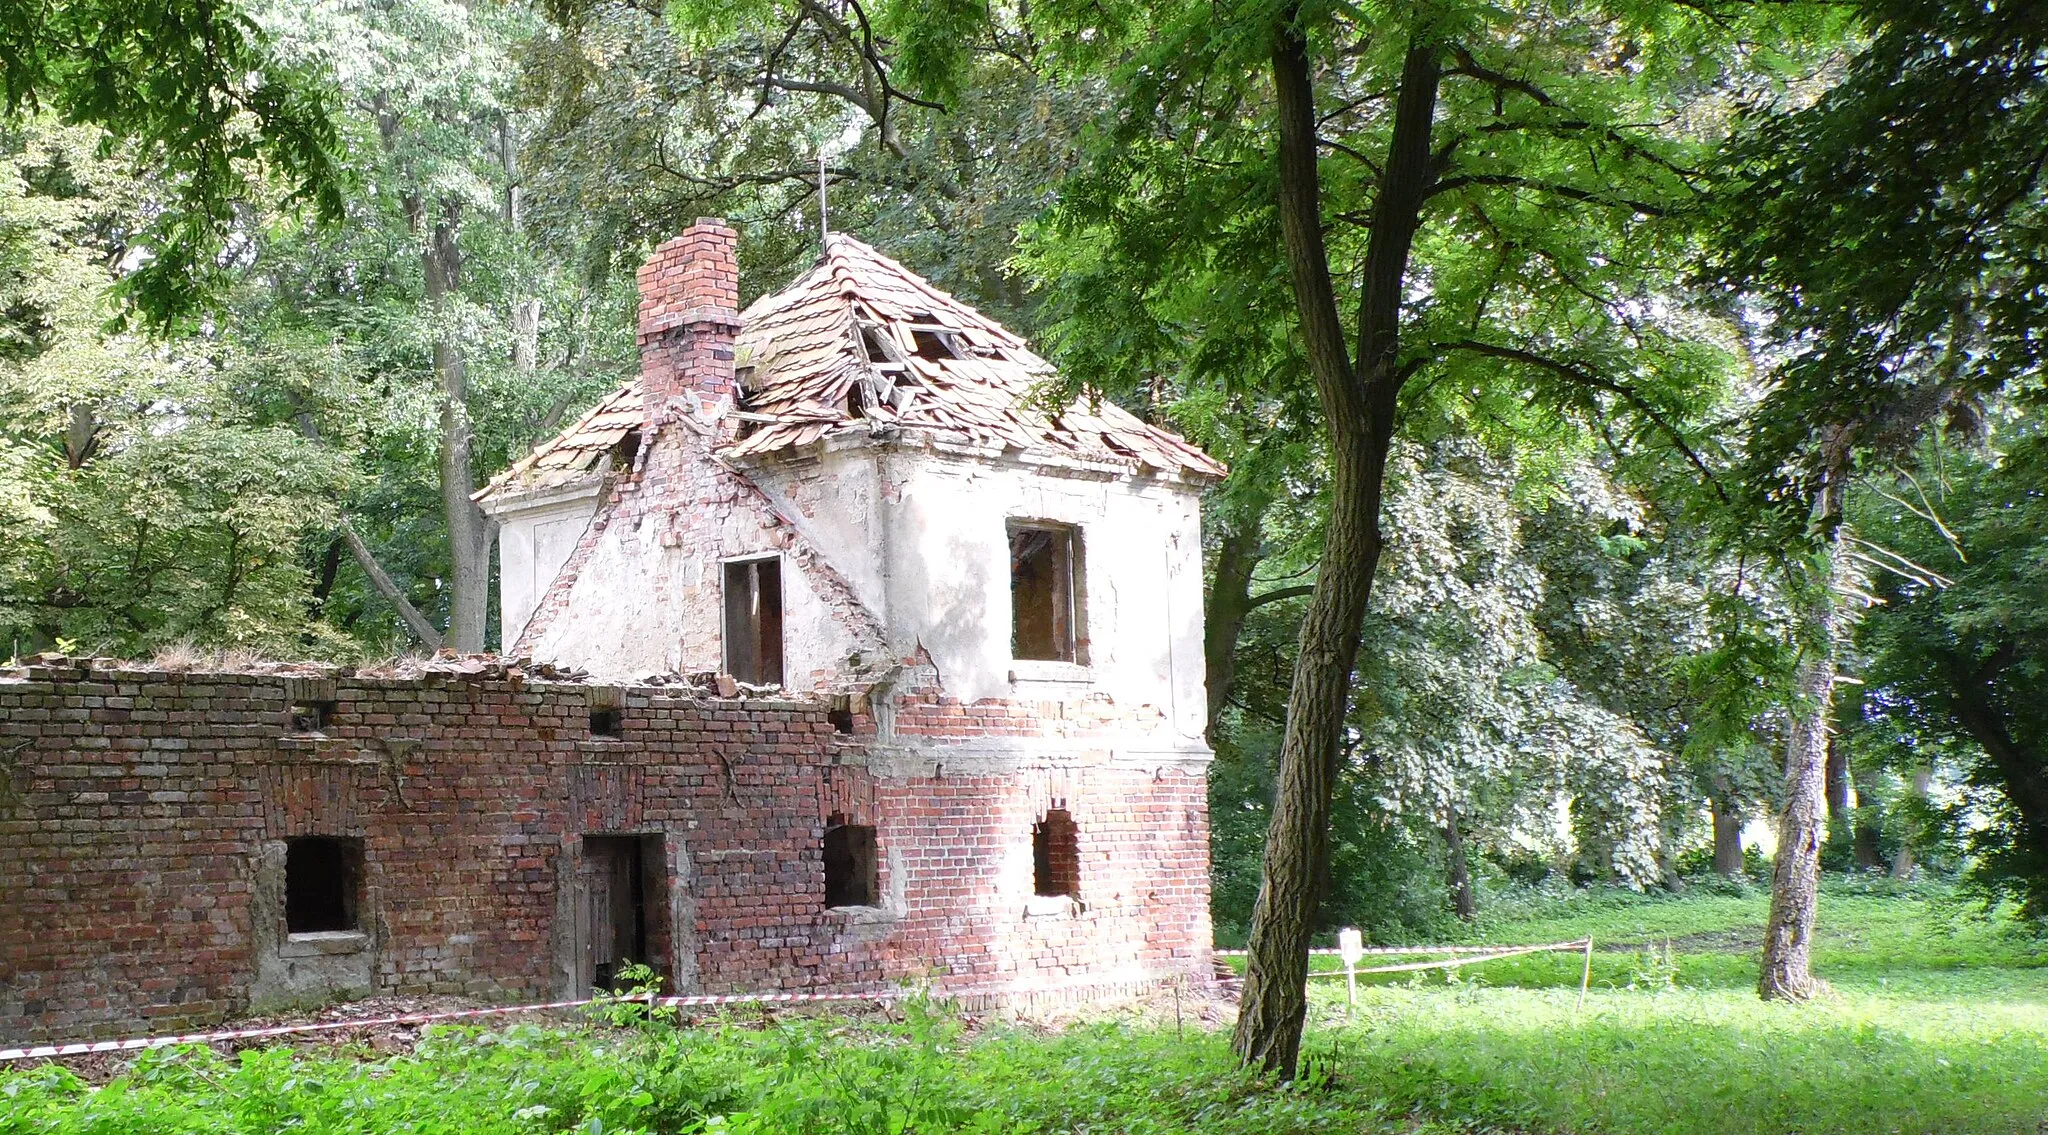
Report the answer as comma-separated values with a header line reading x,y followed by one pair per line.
x,y
948,726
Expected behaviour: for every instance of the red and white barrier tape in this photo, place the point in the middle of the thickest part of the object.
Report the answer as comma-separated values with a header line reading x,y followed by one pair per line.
x,y
1412,951
134,1044
1462,959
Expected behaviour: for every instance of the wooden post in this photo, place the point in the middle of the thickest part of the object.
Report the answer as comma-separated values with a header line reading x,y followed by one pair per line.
x,y
1585,977
1351,946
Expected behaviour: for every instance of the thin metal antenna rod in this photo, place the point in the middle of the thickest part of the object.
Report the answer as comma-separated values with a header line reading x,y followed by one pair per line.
x,y
824,216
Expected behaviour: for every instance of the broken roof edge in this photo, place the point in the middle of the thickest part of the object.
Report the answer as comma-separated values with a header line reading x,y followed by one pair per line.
x,y
522,497
913,437
578,435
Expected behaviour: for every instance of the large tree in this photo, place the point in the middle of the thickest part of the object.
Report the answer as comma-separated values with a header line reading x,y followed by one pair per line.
x,y
1893,229
142,505
465,340
1959,648
200,101
1453,211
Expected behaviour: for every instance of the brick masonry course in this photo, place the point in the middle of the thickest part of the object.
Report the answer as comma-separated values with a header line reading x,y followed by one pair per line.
x,y
138,809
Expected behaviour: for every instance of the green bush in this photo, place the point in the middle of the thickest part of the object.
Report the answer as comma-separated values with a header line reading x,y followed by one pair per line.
x,y
1933,1026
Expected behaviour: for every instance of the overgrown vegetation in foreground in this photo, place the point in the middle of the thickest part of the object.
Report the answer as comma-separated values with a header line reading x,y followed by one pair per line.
x,y
1938,1022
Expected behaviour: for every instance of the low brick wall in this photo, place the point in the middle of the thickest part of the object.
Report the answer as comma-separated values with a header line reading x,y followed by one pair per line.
x,y
143,816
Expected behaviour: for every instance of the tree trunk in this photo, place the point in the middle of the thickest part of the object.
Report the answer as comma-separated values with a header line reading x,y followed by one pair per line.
x,y
1230,586
1463,903
469,531
1787,971
1902,863
389,589
2022,772
525,336
81,435
1667,852
1837,779
1867,831
1359,405
324,578
1727,829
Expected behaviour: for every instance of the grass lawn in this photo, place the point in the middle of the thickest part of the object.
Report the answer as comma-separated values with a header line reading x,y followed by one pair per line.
x,y
1938,1023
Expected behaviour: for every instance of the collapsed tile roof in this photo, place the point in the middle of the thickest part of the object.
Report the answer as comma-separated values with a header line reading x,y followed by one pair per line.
x,y
580,449
862,344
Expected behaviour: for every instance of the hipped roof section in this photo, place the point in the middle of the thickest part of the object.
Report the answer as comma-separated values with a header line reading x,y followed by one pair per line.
x,y
862,345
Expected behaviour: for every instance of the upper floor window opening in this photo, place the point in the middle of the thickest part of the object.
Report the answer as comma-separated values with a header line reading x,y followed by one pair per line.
x,y
753,621
1046,615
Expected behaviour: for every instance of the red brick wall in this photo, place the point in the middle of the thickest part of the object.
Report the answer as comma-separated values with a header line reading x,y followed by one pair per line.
x,y
134,803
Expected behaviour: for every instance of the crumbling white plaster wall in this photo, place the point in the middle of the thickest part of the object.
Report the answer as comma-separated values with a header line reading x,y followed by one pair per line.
x,y
948,581
649,597
833,494
536,533
921,536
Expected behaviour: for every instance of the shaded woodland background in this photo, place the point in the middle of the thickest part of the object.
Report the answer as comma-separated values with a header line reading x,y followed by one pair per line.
x,y
1719,358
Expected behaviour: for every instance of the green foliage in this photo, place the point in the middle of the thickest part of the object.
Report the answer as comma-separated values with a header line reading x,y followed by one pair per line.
x,y
1933,1028
1892,229
200,101
146,505
632,999
1959,650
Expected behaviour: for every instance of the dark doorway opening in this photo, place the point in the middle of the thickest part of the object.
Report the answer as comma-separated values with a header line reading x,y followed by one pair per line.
x,y
753,621
851,878
322,883
623,890
1056,855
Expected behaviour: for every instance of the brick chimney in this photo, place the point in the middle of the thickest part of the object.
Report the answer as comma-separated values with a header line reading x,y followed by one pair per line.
x,y
689,316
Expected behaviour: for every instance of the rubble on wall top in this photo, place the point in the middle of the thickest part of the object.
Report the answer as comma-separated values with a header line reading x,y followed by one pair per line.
x,y
444,664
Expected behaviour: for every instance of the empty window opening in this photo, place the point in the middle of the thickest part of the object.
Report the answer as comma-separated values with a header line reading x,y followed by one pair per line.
x,y
879,348
323,878
604,723
933,344
1045,607
626,451
841,719
850,874
1056,855
623,892
753,621
312,716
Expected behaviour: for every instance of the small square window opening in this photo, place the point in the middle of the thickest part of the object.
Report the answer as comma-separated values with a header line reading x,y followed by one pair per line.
x,y
323,880
1045,603
312,716
604,723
